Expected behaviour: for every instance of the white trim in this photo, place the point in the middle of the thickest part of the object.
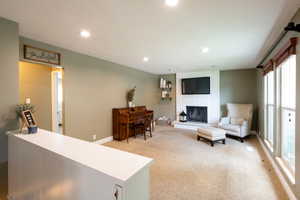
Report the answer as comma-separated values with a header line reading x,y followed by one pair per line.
x,y
282,180
104,140
286,170
54,101
269,145
189,125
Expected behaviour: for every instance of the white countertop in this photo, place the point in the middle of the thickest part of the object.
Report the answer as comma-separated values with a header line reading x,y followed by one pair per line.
x,y
115,163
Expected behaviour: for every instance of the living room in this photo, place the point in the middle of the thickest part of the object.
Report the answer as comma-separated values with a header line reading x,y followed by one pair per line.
x,y
189,106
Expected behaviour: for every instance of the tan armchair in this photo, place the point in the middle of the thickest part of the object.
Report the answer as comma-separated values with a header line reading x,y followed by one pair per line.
x,y
238,121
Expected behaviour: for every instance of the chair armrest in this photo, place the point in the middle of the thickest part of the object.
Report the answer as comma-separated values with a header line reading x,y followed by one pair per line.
x,y
245,130
245,123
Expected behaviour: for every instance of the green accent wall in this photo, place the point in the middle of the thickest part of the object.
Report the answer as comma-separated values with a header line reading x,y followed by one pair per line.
x,y
167,108
9,82
9,56
92,87
260,101
239,86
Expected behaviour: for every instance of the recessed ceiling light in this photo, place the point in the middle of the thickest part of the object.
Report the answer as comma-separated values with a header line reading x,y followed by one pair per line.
x,y
171,3
205,50
85,34
145,59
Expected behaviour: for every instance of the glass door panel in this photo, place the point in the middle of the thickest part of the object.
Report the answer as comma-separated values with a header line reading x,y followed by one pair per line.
x,y
288,136
270,107
270,124
287,108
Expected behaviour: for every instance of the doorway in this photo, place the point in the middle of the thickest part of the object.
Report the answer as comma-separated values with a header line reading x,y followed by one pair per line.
x,y
57,100
42,86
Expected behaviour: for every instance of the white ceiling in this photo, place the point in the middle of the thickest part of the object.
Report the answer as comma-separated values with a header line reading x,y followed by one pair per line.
x,y
237,32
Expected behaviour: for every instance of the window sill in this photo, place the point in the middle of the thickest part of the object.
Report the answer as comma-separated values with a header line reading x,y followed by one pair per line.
x,y
286,170
268,144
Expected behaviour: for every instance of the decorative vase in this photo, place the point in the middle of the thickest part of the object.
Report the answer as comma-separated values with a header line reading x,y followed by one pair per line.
x,y
32,129
161,82
130,104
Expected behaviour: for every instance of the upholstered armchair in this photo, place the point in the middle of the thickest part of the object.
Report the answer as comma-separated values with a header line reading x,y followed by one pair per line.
x,y
238,120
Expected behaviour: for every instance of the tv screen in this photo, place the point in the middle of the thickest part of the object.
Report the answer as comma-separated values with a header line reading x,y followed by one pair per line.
x,y
196,85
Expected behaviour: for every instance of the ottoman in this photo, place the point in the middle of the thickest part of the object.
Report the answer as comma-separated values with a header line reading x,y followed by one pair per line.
x,y
211,134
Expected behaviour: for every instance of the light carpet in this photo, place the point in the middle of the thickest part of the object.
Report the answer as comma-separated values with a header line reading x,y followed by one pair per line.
x,y
187,169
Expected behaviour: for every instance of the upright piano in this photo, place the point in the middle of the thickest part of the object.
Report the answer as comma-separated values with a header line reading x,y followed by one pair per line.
x,y
124,117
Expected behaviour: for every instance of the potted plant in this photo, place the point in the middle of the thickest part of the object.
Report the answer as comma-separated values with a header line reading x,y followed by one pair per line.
x,y
130,97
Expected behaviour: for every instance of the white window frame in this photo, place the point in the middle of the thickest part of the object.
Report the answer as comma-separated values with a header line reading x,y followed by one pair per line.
x,y
285,165
267,106
276,146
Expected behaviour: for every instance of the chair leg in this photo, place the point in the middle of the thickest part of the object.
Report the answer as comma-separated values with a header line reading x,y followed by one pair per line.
x,y
212,143
150,132
152,125
224,141
127,135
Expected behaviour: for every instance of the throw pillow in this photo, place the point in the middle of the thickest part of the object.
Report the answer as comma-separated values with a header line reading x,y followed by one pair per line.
x,y
237,121
225,120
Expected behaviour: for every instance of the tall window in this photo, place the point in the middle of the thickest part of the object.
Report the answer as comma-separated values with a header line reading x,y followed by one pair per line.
x,y
269,107
280,106
287,110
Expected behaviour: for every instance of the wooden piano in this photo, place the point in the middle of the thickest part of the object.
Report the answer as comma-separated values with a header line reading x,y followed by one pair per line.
x,y
123,118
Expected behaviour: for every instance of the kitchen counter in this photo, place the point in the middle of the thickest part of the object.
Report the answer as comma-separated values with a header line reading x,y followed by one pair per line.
x,y
75,158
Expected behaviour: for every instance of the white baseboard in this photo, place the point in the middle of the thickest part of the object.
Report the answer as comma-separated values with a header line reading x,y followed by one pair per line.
x,y
104,140
282,180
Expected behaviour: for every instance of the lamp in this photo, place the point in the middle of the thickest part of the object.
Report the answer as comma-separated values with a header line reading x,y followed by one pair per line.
x,y
182,117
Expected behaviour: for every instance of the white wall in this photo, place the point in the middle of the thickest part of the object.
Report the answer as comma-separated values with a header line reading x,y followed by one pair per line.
x,y
212,100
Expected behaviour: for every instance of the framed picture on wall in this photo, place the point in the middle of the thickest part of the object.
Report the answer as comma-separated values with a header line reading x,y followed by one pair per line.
x,y
41,55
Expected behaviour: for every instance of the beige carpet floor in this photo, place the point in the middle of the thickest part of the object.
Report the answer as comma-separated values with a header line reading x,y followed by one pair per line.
x,y
186,169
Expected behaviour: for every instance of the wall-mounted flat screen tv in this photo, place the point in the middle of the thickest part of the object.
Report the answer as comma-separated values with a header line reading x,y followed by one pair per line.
x,y
199,85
